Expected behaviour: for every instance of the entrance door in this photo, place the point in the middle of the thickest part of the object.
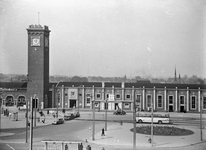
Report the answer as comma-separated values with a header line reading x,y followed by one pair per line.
x,y
182,108
116,106
105,106
170,108
72,103
171,100
182,103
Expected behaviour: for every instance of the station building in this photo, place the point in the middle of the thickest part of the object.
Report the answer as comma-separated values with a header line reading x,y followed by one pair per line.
x,y
172,97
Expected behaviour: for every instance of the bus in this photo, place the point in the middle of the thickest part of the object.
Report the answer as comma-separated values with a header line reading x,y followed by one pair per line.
x,y
157,118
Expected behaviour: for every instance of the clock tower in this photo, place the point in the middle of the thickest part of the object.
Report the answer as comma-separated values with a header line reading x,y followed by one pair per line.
x,y
38,64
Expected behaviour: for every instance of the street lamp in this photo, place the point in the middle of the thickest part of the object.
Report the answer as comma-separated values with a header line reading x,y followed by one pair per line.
x,y
0,109
106,115
58,98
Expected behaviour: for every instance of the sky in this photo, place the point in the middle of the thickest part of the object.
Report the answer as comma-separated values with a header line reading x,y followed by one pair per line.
x,y
108,38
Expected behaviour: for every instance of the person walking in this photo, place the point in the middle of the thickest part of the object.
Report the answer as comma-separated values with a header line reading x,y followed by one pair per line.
x,y
103,134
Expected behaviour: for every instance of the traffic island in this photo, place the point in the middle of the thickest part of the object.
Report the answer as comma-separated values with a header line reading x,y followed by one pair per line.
x,y
163,131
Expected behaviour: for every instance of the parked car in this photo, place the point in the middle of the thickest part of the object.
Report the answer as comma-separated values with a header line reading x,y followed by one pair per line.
x,y
58,121
71,115
119,112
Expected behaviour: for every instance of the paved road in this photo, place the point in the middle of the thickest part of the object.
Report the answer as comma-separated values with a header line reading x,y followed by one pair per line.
x,y
75,130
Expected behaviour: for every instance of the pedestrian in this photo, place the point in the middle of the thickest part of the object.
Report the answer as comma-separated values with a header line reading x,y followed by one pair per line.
x,y
103,132
43,120
10,115
7,114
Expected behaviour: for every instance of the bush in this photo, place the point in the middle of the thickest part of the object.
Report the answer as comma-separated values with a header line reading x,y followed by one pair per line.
x,y
163,130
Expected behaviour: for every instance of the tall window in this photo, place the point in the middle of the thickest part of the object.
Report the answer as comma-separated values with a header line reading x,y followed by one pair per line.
x,y
159,101
98,96
193,102
170,99
182,100
138,98
204,103
149,100
118,96
128,96
88,99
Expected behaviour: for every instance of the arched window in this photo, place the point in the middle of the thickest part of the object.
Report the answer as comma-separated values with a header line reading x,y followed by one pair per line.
x,y
9,100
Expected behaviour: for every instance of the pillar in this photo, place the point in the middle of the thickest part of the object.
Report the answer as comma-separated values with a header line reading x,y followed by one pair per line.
x,y
199,99
154,99
188,99
83,96
143,98
165,99
176,100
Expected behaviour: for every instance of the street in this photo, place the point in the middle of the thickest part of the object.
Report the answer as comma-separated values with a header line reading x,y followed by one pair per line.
x,y
79,129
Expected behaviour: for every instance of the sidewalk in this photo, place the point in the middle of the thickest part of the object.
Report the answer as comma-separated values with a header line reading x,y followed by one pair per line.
x,y
121,135
9,123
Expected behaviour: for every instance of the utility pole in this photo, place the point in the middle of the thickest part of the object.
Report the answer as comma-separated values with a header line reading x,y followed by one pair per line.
x,y
134,120
27,121
31,123
0,115
35,100
201,118
58,98
152,126
93,120
106,115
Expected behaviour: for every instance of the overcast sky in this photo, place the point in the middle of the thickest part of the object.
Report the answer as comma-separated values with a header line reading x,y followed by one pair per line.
x,y
108,37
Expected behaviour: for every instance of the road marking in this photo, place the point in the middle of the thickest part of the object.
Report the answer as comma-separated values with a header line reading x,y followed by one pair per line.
x,y
10,147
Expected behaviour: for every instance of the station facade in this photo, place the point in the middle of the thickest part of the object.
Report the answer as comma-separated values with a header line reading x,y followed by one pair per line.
x,y
174,97
111,96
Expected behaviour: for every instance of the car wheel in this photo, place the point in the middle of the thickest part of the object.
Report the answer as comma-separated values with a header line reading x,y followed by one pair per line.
x,y
140,121
159,122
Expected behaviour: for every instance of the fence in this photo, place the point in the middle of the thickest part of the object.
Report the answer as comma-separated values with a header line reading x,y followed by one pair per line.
x,y
62,145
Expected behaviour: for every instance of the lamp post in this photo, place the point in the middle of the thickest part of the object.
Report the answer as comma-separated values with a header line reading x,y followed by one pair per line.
x,y
201,100
152,126
58,98
106,115
0,109
31,123
93,122
27,103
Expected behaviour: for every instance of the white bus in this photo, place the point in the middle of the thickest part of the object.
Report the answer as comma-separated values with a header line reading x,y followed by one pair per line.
x,y
157,118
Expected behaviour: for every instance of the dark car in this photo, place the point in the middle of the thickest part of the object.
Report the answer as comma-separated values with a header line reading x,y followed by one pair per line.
x,y
119,112
58,121
71,115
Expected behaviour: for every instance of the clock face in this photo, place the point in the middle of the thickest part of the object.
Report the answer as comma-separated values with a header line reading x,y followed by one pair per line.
x,y
35,41
46,42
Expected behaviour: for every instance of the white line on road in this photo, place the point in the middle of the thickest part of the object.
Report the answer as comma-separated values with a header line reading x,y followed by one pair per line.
x,y
10,147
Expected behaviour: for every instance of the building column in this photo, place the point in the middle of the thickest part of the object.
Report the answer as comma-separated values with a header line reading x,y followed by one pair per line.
x,y
176,100
53,97
122,91
102,104
63,98
165,99
93,96
143,98
154,98
188,99
199,99
133,99
83,97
